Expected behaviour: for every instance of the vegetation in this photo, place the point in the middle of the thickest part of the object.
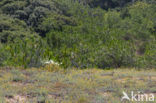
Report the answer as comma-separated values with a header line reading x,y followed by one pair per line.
x,y
43,41
78,33
73,86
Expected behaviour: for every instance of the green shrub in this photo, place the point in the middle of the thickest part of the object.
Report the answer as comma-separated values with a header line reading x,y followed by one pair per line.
x,y
148,60
26,53
78,33
116,54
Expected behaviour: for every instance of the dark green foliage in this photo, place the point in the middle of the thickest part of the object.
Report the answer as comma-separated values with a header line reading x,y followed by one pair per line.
x,y
11,7
105,39
31,11
106,4
78,33
55,22
115,54
11,29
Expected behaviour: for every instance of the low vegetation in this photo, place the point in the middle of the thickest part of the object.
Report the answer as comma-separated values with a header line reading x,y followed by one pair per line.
x,y
72,85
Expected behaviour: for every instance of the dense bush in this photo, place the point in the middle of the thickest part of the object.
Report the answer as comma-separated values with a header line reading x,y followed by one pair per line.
x,y
11,29
78,33
26,53
105,39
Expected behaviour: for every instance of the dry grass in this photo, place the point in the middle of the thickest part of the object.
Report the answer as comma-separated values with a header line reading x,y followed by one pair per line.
x,y
72,86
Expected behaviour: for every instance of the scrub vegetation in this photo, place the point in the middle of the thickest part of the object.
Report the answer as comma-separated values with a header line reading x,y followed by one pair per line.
x,y
73,85
78,33
76,51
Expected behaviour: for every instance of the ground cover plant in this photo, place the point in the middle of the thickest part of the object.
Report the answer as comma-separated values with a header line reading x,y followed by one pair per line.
x,y
73,85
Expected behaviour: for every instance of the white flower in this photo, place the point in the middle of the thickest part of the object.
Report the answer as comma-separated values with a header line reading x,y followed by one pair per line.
x,y
51,62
